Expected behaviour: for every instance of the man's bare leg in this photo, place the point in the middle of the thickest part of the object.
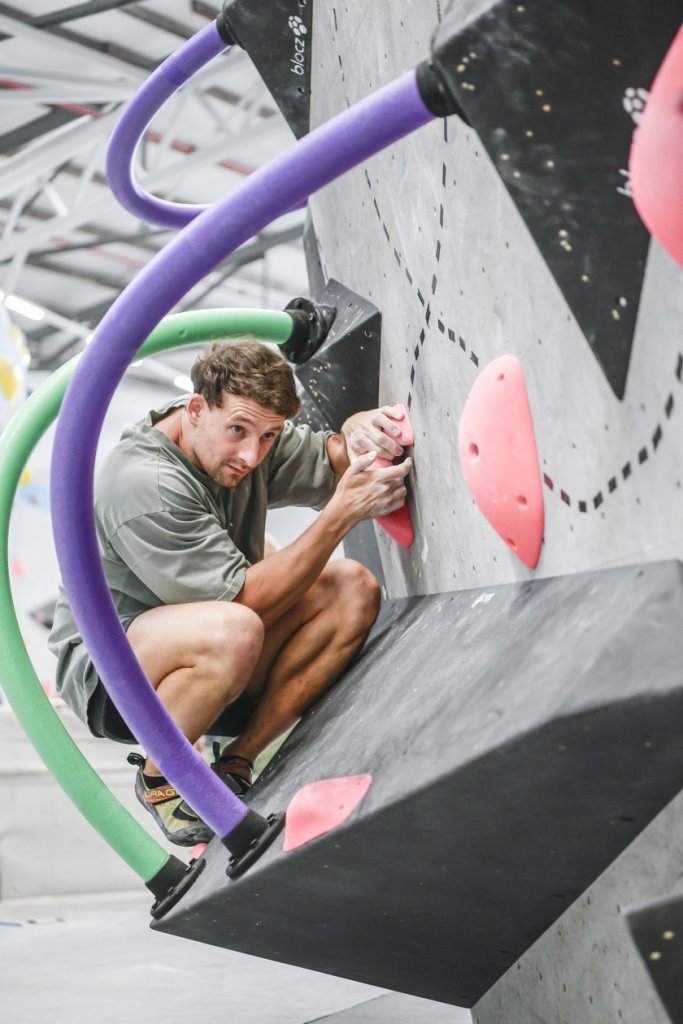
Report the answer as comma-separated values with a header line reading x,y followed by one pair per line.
x,y
198,657
307,650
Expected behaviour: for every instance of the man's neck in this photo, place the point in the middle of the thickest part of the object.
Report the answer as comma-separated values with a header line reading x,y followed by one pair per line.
x,y
171,425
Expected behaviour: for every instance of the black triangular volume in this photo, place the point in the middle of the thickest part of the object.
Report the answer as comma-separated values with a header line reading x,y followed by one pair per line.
x,y
657,930
277,35
343,375
555,92
472,840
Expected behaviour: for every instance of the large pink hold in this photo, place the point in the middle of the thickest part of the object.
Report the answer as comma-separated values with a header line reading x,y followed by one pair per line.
x,y
656,161
321,806
398,524
499,460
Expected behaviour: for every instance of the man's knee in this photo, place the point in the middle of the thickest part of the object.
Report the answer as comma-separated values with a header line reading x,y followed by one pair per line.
x,y
356,590
238,634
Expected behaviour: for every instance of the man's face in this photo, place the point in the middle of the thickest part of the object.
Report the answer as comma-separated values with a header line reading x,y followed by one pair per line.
x,y
228,443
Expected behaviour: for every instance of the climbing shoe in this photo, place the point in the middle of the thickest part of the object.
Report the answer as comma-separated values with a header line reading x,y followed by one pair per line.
x,y
176,820
236,772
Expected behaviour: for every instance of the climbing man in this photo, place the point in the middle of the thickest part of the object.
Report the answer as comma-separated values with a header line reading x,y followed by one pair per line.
x,y
235,645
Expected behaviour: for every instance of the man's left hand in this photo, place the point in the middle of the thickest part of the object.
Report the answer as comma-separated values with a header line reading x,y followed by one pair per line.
x,y
373,431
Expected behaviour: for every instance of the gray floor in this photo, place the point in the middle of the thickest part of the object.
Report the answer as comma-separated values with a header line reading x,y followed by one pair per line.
x,y
94,960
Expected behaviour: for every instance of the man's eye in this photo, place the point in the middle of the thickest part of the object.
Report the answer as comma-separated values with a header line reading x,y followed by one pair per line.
x,y
269,435
236,428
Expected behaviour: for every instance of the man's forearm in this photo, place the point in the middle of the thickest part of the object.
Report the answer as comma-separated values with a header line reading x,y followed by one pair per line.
x,y
273,586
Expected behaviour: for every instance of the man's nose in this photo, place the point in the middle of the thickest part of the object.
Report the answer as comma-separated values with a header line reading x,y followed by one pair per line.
x,y
249,452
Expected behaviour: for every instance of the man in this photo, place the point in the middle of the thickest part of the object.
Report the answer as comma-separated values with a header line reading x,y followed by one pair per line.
x,y
234,645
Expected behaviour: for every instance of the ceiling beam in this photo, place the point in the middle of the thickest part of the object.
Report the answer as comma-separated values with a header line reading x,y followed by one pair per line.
x,y
61,95
38,234
78,11
23,76
78,273
246,254
205,10
25,133
63,142
105,239
160,21
124,63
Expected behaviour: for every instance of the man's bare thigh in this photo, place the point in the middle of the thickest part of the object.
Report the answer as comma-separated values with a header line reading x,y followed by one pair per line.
x,y
175,636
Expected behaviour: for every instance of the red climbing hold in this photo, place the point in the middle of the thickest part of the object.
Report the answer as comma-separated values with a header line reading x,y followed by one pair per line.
x,y
499,460
322,806
656,161
398,524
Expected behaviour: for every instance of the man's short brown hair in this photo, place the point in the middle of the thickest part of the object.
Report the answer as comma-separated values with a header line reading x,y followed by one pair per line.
x,y
248,369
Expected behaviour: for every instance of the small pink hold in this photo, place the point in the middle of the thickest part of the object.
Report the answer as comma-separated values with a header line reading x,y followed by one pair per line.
x,y
398,524
17,567
197,850
321,806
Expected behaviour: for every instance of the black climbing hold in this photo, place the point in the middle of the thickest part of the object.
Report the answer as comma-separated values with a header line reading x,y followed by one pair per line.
x,y
166,877
311,325
342,377
167,899
277,35
434,92
250,839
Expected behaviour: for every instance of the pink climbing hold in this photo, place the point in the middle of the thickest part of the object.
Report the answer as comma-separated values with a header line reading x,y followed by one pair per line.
x,y
499,460
321,806
197,850
656,161
398,524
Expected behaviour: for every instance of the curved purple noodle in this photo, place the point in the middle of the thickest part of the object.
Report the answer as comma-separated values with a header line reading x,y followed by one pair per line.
x,y
160,85
318,158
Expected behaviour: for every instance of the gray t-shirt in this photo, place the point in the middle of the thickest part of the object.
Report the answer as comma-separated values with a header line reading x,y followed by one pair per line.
x,y
169,535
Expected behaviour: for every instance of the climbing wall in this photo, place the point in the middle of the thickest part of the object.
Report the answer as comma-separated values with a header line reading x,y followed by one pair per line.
x,y
433,233
516,236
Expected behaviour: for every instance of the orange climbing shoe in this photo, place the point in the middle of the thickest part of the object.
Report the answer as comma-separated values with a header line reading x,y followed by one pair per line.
x,y
174,817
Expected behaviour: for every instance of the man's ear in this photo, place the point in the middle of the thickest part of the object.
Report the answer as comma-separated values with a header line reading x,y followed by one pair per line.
x,y
194,408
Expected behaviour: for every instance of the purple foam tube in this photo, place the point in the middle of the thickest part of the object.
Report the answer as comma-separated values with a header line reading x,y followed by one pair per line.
x,y
158,88
327,152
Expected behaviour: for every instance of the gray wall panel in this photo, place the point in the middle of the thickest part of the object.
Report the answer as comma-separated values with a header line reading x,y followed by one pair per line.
x,y
585,969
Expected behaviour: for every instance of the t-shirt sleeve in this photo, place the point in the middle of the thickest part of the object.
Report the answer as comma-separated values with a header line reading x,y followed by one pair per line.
x,y
300,472
182,557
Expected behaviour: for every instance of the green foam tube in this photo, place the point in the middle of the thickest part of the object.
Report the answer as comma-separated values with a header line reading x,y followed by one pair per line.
x,y
22,687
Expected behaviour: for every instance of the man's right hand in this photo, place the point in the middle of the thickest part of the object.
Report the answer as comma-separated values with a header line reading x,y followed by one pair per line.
x,y
275,584
364,493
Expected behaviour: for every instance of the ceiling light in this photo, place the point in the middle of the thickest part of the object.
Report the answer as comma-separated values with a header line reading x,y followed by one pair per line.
x,y
24,308
183,383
